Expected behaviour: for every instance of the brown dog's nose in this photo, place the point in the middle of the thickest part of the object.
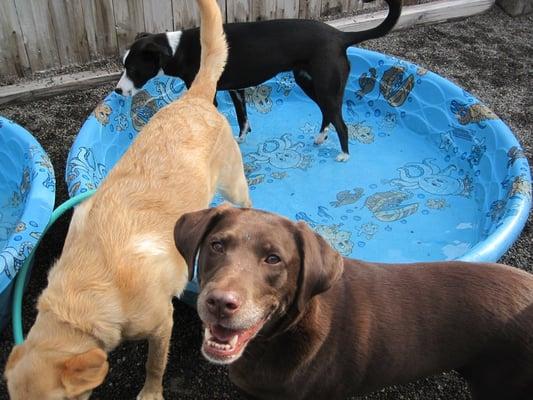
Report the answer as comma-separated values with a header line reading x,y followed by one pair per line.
x,y
222,303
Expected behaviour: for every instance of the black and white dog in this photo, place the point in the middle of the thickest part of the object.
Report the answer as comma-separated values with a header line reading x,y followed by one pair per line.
x,y
314,51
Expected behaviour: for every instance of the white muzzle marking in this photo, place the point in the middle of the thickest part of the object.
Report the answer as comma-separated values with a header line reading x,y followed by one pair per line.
x,y
126,85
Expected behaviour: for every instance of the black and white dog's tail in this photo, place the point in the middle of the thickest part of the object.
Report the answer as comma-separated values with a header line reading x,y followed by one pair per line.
x,y
214,51
395,10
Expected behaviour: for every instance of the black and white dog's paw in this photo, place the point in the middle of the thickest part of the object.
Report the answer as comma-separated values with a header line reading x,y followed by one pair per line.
x,y
342,157
322,137
244,132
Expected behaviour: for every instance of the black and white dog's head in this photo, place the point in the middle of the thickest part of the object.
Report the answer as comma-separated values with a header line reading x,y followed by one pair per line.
x,y
145,59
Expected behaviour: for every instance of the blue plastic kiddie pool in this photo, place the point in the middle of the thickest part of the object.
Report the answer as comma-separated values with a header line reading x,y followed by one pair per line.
x,y
433,174
27,193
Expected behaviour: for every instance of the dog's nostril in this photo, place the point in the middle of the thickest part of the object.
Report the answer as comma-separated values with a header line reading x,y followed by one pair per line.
x,y
223,303
118,90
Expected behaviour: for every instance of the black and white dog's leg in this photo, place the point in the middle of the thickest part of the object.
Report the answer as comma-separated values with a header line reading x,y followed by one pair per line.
x,y
305,81
329,93
328,99
239,101
324,128
342,132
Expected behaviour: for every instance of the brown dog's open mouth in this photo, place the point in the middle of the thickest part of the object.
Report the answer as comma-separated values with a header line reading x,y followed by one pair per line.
x,y
223,345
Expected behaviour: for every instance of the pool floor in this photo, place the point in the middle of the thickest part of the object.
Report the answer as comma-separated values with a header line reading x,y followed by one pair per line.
x,y
394,200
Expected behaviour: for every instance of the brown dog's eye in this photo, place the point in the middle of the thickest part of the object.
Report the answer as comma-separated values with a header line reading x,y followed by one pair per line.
x,y
217,246
273,259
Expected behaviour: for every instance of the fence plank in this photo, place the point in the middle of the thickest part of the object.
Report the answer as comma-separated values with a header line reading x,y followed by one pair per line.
x,y
129,20
70,33
378,4
333,7
265,9
310,9
89,24
288,8
38,33
186,14
13,57
223,9
158,16
99,24
239,10
272,9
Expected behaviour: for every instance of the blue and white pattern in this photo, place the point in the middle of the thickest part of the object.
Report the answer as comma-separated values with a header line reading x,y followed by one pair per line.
x,y
433,173
26,201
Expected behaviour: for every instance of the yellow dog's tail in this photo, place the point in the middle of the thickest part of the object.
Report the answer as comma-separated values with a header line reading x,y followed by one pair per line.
x,y
214,51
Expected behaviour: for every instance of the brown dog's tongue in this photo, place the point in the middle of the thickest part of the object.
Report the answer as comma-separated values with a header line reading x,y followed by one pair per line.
x,y
222,334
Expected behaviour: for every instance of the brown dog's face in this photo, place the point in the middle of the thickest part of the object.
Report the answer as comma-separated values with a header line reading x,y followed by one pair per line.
x,y
256,271
45,374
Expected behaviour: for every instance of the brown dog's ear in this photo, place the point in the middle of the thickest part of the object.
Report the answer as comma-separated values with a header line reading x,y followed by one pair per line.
x,y
320,265
84,371
16,354
191,229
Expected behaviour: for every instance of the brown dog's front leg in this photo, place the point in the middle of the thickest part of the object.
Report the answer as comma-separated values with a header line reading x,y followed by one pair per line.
x,y
158,346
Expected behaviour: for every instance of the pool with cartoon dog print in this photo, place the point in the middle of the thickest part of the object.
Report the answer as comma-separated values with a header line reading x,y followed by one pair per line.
x,y
433,175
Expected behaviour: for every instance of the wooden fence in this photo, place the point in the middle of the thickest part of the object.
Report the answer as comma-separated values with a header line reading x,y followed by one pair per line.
x,y
37,35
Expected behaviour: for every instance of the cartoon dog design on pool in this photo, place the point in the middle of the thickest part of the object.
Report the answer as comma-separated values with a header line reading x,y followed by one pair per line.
x,y
337,238
12,259
396,85
429,177
102,113
282,154
285,83
471,113
259,98
391,206
362,133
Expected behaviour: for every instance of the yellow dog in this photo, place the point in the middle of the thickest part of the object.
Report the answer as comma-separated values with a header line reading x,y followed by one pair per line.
x,y
119,268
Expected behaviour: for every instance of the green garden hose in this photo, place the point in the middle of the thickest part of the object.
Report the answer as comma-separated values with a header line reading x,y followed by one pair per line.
x,y
16,311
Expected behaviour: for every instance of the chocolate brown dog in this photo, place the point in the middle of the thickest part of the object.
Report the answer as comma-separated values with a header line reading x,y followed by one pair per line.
x,y
297,321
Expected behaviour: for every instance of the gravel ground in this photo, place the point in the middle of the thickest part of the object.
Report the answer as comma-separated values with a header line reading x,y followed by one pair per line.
x,y
490,55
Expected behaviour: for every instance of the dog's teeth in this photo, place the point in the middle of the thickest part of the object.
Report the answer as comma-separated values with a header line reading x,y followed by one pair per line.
x,y
219,345
211,341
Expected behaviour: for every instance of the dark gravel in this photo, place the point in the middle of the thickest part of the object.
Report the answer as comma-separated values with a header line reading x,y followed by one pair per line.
x,y
489,55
